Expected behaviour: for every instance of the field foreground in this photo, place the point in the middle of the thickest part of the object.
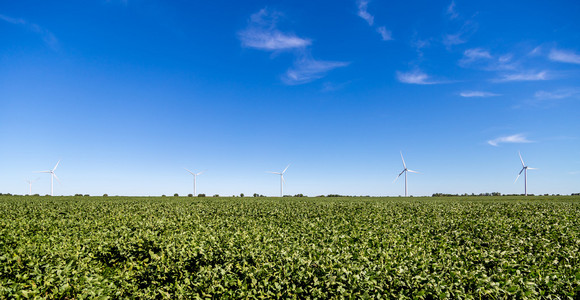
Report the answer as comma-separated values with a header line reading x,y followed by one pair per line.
x,y
117,247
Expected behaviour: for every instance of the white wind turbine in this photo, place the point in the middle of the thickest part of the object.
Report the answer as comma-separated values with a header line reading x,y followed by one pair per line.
x,y
405,170
52,176
281,180
30,185
525,170
194,180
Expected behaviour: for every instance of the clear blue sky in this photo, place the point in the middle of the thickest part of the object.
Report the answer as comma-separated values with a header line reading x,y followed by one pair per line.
x,y
128,93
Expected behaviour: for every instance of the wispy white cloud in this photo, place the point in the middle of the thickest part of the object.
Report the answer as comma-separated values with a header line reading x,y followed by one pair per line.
x,y
331,87
451,11
46,35
363,13
262,34
557,94
461,36
565,56
386,35
536,51
482,59
524,76
307,69
470,94
474,54
453,39
516,138
415,77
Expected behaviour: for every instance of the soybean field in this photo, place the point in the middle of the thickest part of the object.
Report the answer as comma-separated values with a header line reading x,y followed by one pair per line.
x,y
307,248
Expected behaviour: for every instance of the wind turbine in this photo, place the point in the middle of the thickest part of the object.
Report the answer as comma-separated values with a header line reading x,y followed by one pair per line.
x,y
525,170
281,180
405,170
52,176
194,179
30,185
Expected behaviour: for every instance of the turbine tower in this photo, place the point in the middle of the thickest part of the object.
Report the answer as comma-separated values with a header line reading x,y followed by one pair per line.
x,y
194,180
525,170
405,170
30,185
52,176
281,180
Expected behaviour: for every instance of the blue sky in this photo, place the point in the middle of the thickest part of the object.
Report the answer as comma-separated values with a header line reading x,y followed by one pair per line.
x,y
128,93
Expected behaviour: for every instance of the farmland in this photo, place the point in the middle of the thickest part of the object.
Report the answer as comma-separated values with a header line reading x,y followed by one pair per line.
x,y
176,247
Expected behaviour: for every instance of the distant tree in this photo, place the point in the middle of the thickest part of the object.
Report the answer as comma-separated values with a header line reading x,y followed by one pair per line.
x,y
189,195
105,195
256,195
298,195
216,195
242,195
163,196
176,195
201,195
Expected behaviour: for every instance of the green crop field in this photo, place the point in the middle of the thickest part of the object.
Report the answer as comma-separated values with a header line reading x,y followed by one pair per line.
x,y
122,247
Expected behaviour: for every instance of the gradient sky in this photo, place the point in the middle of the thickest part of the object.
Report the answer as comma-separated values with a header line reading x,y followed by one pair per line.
x,y
128,93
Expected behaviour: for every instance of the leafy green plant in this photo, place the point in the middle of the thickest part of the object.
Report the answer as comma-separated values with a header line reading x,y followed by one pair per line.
x,y
328,247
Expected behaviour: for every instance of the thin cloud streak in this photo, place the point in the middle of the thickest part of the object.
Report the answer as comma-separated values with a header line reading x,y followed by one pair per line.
x,y
386,35
516,138
555,95
461,36
262,34
46,35
414,77
363,13
451,11
529,76
482,59
474,54
307,70
470,94
564,56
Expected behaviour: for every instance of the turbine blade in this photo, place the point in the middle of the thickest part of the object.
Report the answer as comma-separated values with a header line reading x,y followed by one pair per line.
x,y
404,165
398,176
56,177
521,171
532,168
517,177
56,165
201,172
413,171
189,171
521,159
285,169
274,173
41,172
